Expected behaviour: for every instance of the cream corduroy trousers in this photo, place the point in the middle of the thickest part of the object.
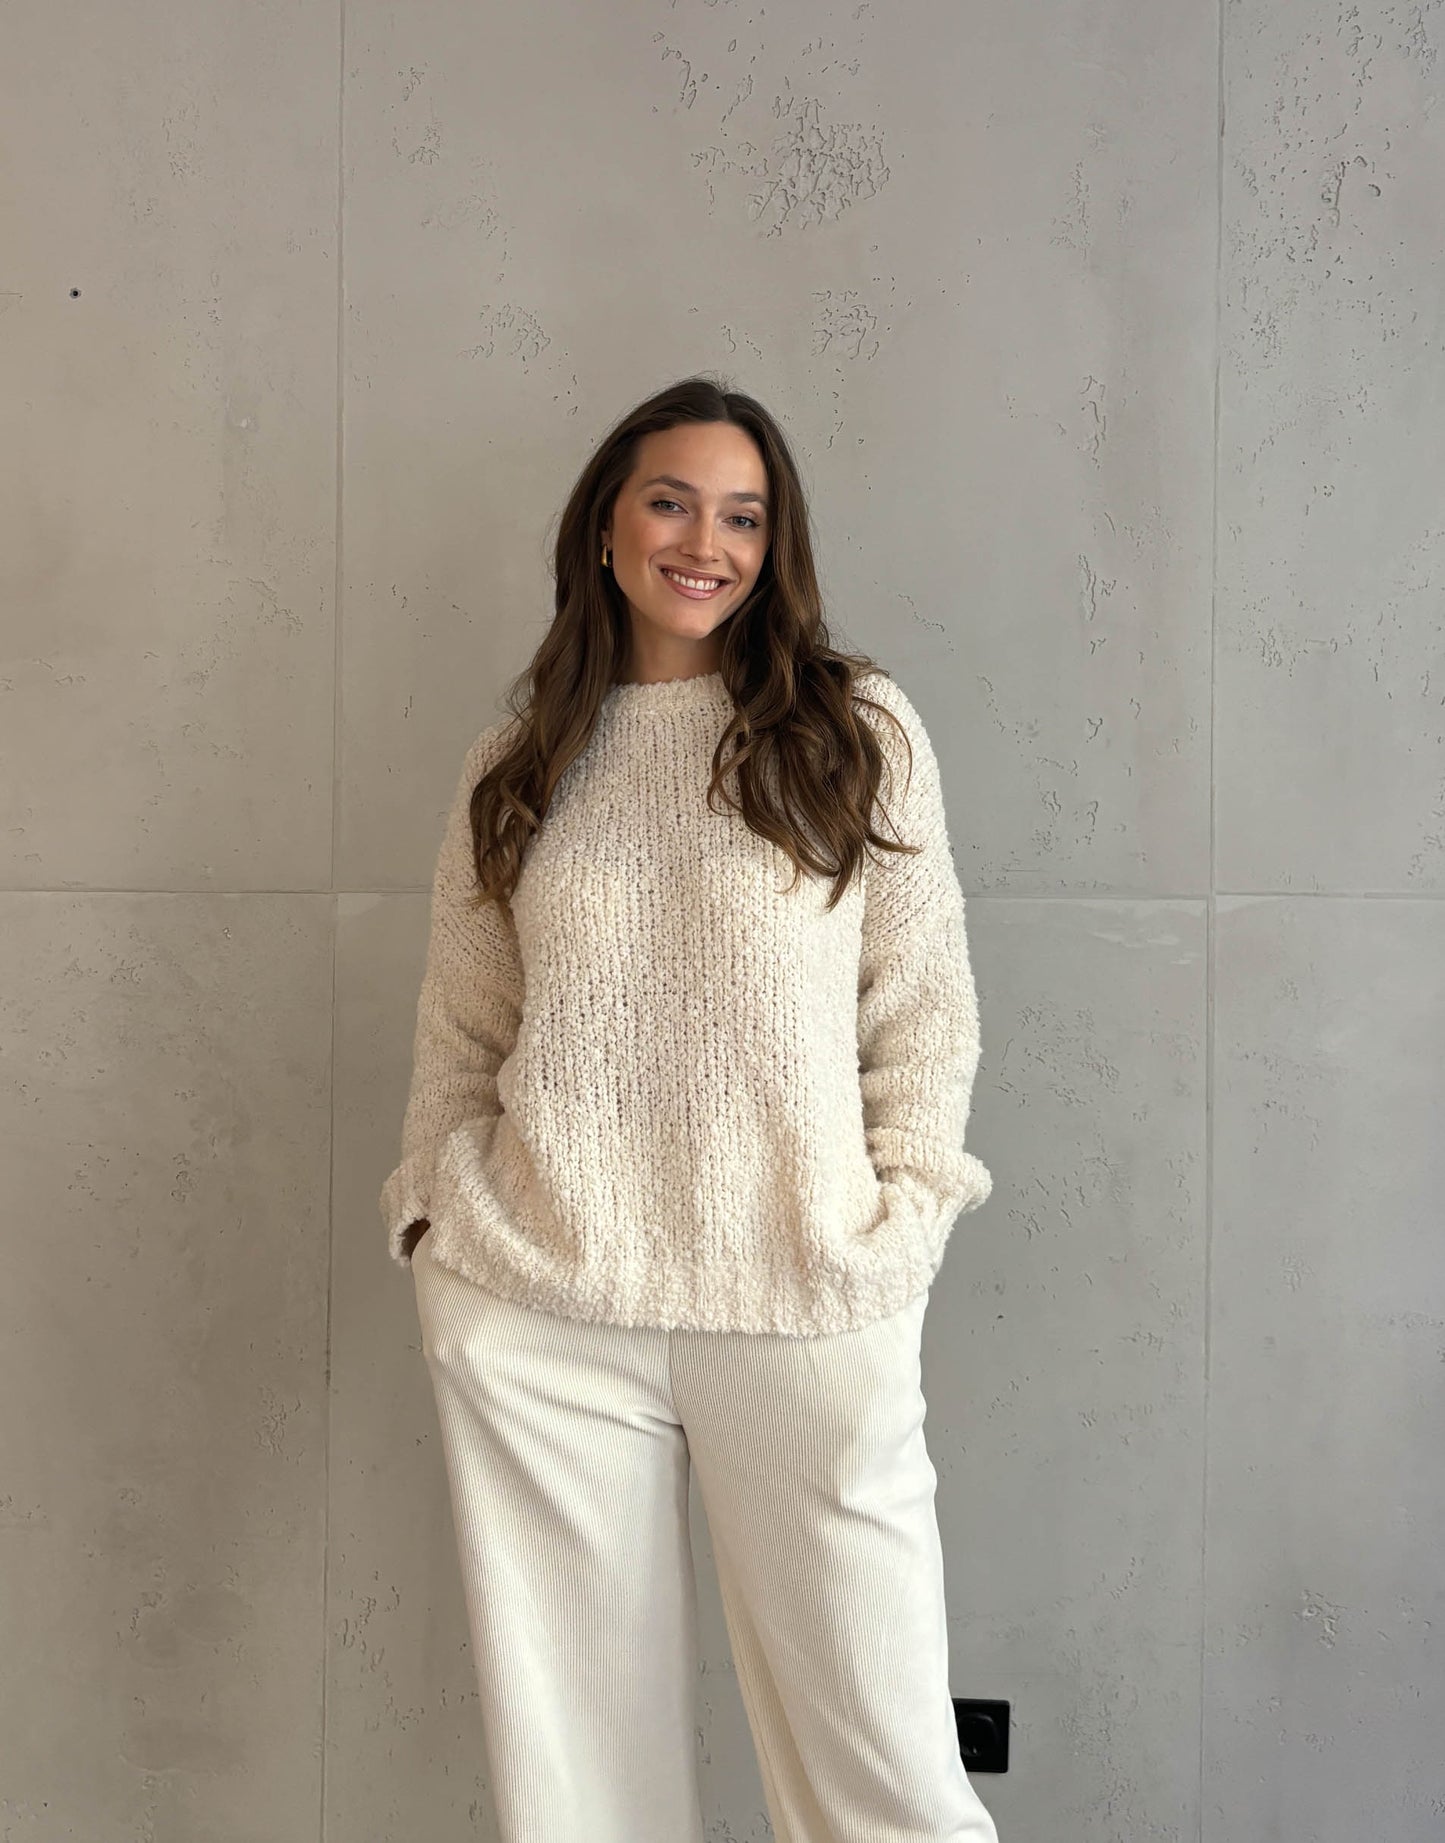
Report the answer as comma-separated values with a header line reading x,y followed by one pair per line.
x,y
567,1446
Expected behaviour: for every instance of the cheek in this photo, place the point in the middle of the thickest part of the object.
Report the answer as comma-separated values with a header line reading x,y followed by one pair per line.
x,y
645,537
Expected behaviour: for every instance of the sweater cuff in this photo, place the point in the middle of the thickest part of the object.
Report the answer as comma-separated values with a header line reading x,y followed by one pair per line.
x,y
943,1186
404,1201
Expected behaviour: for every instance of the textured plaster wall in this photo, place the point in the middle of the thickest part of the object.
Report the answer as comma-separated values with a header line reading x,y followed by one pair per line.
x,y
1110,336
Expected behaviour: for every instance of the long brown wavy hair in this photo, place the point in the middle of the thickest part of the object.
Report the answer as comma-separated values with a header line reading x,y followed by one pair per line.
x,y
808,768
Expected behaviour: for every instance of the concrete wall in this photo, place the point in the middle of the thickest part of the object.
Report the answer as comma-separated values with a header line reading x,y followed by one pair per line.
x,y
1126,446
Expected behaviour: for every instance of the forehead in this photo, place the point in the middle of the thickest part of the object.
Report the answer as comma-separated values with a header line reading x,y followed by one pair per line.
x,y
716,457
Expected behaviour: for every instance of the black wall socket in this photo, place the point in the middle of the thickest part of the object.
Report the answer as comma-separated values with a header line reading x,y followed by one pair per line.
x,y
982,1734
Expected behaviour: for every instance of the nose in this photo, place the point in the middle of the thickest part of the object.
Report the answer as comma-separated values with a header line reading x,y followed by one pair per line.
x,y
700,546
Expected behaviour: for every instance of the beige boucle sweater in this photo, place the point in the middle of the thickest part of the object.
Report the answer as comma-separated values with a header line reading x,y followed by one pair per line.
x,y
664,1090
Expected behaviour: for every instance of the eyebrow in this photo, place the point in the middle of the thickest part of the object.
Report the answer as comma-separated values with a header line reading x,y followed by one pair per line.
x,y
684,487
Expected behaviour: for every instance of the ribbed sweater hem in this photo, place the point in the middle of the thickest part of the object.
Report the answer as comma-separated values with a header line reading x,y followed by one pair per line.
x,y
741,1295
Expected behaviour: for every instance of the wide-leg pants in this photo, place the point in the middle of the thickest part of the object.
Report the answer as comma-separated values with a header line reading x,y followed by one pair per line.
x,y
567,1446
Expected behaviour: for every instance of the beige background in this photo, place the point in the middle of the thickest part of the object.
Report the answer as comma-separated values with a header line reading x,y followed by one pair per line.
x,y
1110,339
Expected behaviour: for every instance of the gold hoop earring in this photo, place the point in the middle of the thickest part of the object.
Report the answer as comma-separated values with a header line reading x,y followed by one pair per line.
x,y
606,556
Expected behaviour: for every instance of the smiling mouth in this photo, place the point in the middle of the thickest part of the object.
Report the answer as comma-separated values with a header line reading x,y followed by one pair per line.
x,y
693,585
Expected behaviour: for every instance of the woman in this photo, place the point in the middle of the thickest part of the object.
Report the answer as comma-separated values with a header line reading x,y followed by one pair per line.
x,y
683,1147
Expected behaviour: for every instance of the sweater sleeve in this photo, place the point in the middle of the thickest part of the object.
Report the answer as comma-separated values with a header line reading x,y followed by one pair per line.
x,y
468,1012
918,1026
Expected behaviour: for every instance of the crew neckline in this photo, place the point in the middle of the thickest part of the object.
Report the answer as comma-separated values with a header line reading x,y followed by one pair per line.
x,y
634,693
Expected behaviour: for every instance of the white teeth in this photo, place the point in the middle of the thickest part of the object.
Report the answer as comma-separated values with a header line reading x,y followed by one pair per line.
x,y
693,582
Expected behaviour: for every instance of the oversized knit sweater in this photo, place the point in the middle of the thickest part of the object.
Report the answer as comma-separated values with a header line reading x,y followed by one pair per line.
x,y
660,1087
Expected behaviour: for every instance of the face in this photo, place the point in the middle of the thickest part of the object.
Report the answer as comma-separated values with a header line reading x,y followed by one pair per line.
x,y
696,503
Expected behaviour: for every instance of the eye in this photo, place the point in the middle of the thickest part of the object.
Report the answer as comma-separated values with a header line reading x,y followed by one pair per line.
x,y
751,523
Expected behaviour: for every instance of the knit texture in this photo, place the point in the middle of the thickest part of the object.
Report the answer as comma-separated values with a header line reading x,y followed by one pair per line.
x,y
660,1087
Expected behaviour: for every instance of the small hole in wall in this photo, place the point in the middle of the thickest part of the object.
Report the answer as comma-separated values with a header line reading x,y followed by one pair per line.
x,y
75,294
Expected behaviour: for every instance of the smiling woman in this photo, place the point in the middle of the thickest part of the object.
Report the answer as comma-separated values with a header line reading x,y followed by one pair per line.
x,y
683,1151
